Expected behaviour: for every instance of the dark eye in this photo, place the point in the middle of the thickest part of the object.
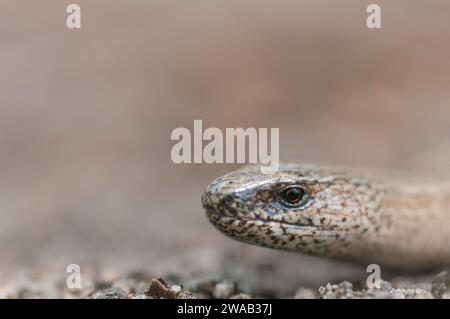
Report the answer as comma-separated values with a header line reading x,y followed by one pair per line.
x,y
293,196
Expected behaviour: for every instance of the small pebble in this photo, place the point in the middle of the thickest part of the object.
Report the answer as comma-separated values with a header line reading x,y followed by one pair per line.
x,y
109,293
240,296
438,285
305,293
223,289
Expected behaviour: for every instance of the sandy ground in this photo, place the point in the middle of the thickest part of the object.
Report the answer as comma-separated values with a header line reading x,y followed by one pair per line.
x,y
207,275
86,117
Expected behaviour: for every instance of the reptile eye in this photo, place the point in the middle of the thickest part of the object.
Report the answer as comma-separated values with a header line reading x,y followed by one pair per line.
x,y
293,196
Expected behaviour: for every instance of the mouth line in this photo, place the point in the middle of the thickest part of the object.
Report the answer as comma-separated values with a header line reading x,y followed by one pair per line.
x,y
219,216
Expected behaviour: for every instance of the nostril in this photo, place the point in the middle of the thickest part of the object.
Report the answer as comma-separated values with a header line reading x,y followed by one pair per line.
x,y
206,201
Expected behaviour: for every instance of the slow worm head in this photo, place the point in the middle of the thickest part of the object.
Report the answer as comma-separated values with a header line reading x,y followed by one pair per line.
x,y
333,213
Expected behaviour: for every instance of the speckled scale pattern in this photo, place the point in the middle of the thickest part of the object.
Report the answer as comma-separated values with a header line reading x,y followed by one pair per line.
x,y
343,215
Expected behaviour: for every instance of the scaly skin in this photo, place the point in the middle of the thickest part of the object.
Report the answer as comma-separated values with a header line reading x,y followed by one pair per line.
x,y
340,215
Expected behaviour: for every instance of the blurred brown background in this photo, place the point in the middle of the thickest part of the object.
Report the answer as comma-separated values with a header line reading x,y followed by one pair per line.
x,y
86,117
